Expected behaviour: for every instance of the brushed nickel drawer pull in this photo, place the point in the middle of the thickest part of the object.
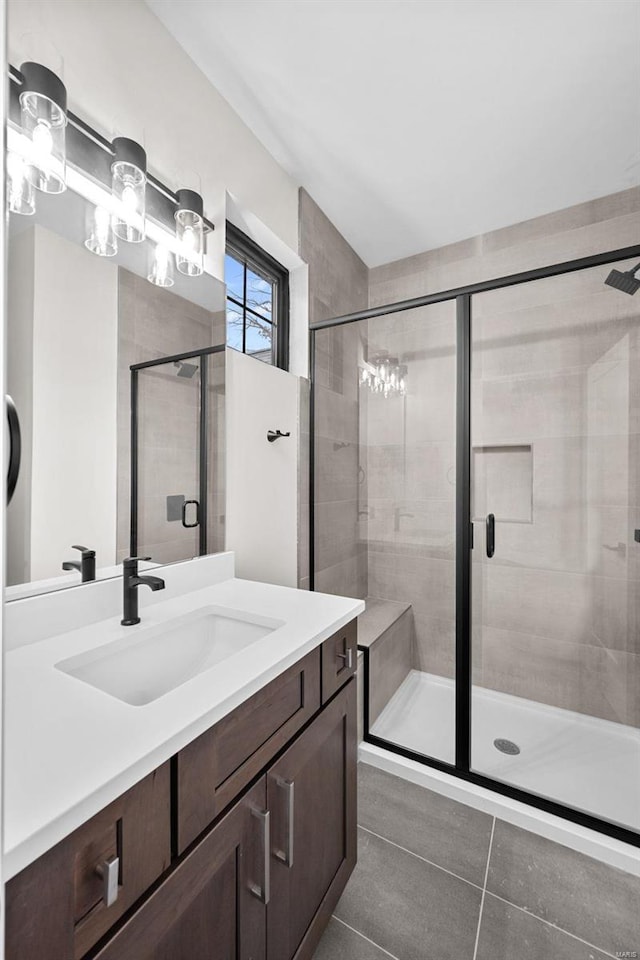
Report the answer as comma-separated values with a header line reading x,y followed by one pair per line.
x,y
286,856
347,658
263,893
109,871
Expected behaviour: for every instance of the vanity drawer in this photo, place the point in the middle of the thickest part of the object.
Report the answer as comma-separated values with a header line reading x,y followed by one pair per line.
x,y
56,907
213,769
339,659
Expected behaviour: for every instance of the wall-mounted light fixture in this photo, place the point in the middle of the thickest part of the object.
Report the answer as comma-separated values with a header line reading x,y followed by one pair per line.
x,y
43,106
20,190
190,233
128,185
102,239
161,268
49,147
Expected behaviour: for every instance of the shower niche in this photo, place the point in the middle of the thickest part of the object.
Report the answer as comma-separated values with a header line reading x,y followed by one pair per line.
x,y
503,483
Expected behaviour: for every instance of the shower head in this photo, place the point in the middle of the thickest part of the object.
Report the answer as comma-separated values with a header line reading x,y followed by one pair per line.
x,y
186,370
626,281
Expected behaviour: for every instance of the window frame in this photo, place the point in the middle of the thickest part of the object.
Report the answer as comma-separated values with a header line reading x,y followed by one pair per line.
x,y
245,250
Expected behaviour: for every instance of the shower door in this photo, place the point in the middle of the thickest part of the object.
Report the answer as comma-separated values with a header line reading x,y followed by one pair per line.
x,y
176,419
555,505
385,512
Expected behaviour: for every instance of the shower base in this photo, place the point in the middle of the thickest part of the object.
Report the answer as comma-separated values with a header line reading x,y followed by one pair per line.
x,y
580,761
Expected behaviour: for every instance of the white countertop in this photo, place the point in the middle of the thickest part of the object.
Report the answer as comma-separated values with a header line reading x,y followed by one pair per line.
x,y
71,749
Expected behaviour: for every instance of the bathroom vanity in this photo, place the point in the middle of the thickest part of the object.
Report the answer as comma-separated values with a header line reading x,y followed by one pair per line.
x,y
240,836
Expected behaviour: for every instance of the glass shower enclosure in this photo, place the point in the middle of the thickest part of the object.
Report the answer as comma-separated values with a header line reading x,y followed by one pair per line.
x,y
476,477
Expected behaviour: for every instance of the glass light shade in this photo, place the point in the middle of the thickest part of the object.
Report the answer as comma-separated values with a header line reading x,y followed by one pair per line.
x,y
128,189
102,239
20,190
190,236
161,268
44,123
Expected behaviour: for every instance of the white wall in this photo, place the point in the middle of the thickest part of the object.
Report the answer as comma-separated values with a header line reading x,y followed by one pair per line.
x,y
19,332
262,485
74,423
127,76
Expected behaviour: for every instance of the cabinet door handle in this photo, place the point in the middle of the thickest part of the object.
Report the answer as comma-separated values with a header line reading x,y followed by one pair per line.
x,y
286,855
347,658
263,893
109,870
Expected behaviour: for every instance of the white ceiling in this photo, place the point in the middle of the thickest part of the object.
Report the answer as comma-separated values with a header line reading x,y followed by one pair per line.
x,y
416,123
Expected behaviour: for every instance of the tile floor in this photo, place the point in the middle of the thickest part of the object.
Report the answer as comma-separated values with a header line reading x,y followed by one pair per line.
x,y
437,880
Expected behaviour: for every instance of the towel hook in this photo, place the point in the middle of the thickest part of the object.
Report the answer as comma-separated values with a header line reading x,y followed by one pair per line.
x,y
273,435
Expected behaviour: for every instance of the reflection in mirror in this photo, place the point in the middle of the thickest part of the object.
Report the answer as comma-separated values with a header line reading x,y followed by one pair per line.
x,y
77,323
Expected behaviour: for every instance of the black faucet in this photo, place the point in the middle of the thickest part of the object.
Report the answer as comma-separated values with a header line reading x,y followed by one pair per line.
x,y
130,583
86,565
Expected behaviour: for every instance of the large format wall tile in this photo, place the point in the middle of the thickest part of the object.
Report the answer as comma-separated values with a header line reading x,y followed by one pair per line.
x,y
566,888
574,676
390,660
338,284
565,606
429,585
447,833
410,908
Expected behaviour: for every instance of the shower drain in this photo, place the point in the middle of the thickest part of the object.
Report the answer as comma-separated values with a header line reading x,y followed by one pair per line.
x,y
506,746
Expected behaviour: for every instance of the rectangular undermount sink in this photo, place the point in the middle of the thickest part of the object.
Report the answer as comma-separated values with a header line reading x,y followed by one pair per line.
x,y
145,665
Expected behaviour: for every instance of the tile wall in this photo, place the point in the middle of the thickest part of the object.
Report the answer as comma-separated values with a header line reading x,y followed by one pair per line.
x,y
338,284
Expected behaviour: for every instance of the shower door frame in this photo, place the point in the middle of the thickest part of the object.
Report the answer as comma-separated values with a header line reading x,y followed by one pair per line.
x,y
464,532
203,472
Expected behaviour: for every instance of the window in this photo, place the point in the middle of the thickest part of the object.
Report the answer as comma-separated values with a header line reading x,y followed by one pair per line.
x,y
257,301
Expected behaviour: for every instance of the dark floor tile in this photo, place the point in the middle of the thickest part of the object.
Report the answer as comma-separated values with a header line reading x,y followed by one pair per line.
x,y
412,909
448,833
507,932
340,943
584,896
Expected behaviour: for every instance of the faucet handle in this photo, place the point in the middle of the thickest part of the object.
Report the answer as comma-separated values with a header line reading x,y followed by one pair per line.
x,y
135,559
85,551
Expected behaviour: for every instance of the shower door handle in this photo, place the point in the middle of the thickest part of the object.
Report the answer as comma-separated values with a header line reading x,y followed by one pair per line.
x,y
196,522
491,535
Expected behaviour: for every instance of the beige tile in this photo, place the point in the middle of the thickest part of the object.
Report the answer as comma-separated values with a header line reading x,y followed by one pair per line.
x,y
336,531
347,578
390,660
574,676
605,208
580,608
429,585
435,645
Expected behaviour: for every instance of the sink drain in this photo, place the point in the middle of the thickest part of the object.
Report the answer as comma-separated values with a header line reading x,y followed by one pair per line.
x,y
506,746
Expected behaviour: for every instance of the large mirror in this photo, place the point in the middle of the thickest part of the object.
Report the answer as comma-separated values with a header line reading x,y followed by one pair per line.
x,y
118,386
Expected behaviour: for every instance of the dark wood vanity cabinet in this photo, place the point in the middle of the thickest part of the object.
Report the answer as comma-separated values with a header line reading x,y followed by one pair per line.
x,y
311,795
211,905
260,813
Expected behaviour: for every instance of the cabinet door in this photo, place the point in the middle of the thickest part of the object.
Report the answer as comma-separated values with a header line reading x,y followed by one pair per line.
x,y
311,792
212,905
59,906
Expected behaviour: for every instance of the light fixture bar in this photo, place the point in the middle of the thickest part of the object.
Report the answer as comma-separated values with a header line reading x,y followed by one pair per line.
x,y
88,149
